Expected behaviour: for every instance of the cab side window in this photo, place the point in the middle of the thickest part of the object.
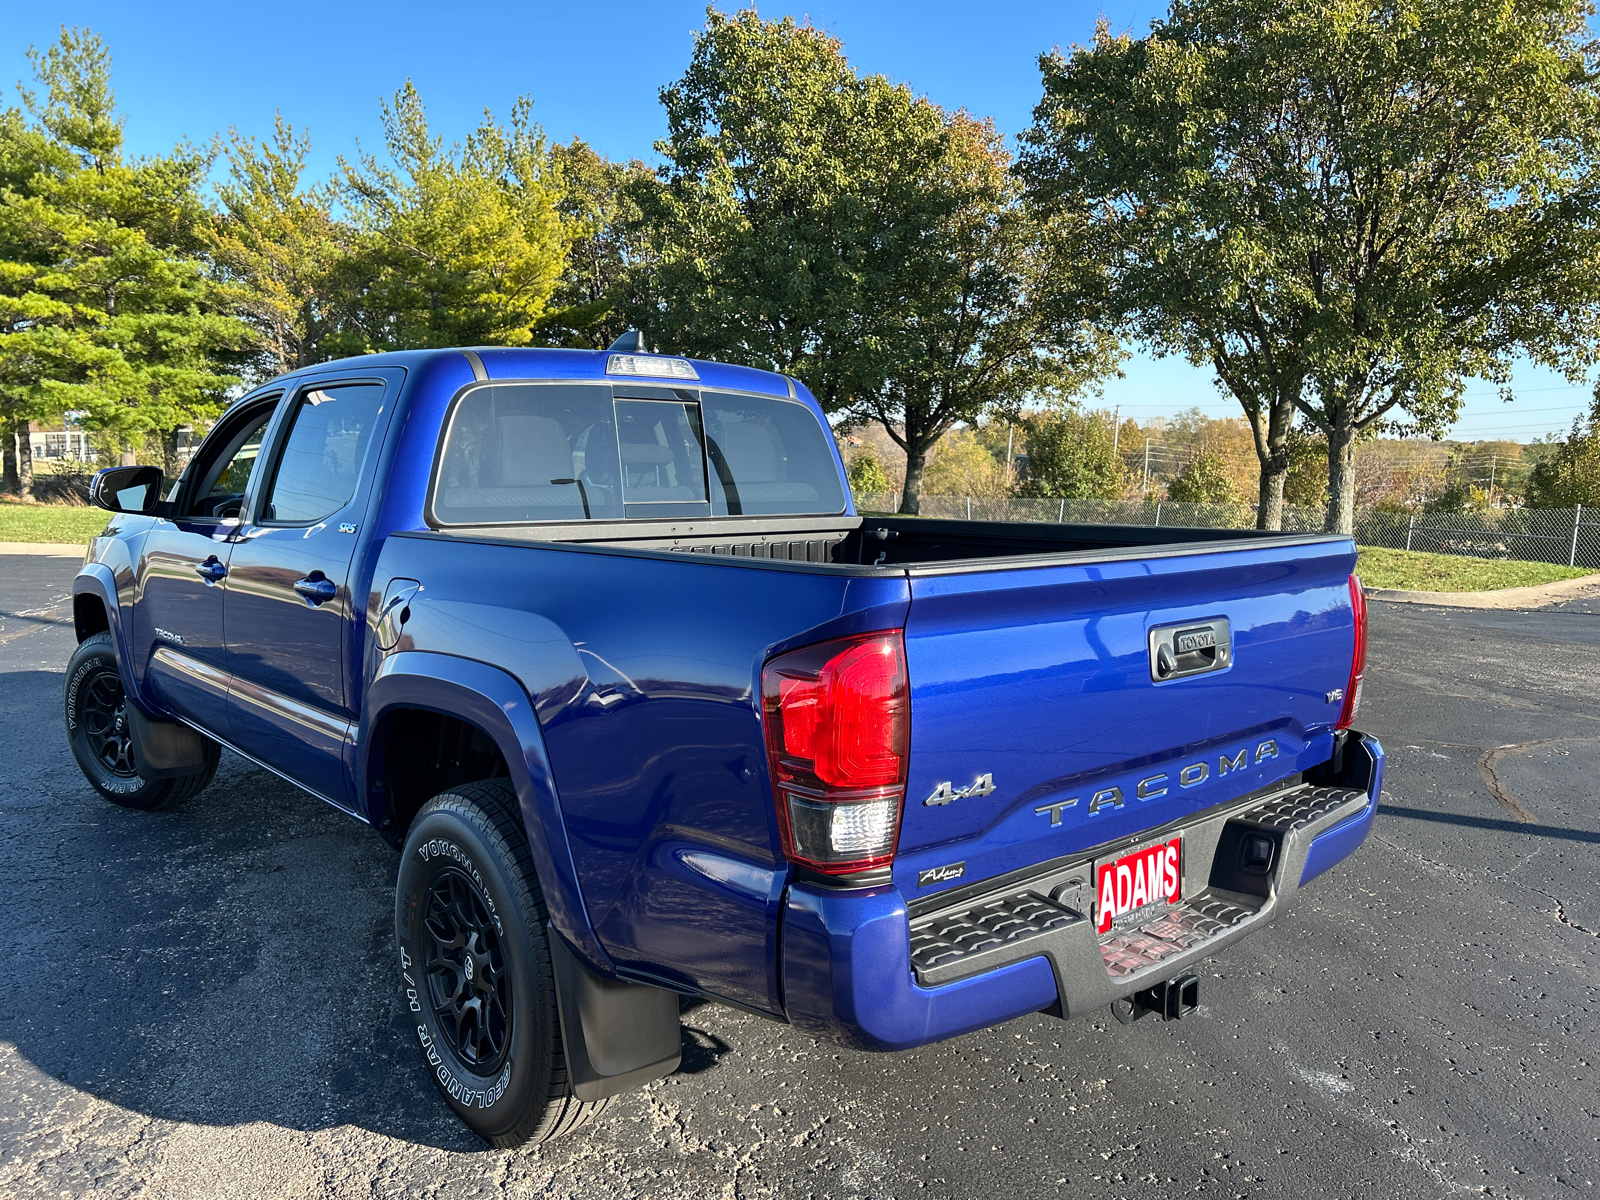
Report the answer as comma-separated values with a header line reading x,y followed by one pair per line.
x,y
222,470
324,447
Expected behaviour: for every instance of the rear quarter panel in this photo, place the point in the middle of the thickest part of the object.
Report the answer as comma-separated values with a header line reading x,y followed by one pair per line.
x,y
644,671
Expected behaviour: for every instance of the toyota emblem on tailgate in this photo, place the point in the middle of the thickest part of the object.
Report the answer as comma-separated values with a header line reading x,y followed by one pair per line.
x,y
1192,648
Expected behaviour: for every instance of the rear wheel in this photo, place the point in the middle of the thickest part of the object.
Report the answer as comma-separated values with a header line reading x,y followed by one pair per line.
x,y
475,965
97,728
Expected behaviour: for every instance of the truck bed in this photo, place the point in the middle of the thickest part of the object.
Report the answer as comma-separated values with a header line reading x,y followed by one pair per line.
x,y
893,541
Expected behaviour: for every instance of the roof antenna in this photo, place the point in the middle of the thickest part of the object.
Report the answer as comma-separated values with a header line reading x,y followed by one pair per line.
x,y
631,342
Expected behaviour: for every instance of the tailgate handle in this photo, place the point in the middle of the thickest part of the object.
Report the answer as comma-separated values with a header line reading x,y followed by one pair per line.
x,y
1190,648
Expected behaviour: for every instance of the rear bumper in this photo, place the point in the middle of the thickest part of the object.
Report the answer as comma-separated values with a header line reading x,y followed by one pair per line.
x,y
858,969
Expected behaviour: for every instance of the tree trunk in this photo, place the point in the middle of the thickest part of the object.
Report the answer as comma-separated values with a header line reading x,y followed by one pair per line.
x,y
916,464
1341,477
24,464
169,453
10,484
1272,452
1269,502
130,456
18,461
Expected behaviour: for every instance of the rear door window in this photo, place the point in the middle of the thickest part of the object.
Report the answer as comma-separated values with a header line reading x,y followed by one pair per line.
x,y
323,451
520,452
516,453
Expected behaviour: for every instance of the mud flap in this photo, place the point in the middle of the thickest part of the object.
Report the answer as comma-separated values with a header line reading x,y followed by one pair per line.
x,y
618,1035
163,749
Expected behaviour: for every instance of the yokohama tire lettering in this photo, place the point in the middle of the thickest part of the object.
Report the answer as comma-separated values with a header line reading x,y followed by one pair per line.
x,y
72,695
443,848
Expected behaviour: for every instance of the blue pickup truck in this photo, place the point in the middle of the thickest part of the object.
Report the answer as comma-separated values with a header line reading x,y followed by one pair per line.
x,y
597,641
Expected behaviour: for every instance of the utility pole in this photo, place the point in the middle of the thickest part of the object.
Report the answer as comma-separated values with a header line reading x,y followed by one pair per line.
x,y
1010,429
1116,428
1147,466
1493,458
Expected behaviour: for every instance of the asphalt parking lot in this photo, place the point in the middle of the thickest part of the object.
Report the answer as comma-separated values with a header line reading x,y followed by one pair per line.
x,y
200,1003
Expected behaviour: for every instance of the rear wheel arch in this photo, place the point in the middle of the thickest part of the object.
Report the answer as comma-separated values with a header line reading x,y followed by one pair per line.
x,y
417,753
466,698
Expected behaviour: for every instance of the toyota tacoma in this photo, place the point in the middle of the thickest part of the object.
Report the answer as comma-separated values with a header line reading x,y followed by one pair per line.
x,y
598,642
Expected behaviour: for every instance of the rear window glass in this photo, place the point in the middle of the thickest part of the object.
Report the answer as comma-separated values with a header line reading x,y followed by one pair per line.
x,y
524,452
768,457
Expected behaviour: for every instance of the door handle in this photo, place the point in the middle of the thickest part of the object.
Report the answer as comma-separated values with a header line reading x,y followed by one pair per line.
x,y
315,591
212,570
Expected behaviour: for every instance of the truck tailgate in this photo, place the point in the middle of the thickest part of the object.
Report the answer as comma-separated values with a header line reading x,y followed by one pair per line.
x,y
1040,679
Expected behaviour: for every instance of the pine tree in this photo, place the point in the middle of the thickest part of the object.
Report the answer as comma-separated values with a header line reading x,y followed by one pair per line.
x,y
462,245
107,307
284,255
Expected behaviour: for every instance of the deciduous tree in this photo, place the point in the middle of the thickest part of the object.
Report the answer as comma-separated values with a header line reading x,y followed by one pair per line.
x,y
1204,481
462,245
1571,476
839,228
867,476
1071,456
1384,200
600,204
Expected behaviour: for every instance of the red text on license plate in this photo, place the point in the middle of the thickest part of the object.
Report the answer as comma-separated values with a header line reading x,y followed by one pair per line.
x,y
1143,878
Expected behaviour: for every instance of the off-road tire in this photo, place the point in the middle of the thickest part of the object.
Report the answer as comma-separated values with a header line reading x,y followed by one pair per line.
x,y
467,883
97,730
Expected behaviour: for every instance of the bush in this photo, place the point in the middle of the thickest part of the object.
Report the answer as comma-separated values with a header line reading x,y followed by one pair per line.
x,y
1203,481
962,465
1306,484
1071,456
867,473
1571,476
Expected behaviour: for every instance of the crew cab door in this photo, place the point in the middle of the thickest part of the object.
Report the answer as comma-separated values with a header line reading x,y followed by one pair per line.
x,y
178,619
288,603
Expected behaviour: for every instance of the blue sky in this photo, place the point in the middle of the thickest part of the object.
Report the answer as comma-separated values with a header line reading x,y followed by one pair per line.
x,y
190,70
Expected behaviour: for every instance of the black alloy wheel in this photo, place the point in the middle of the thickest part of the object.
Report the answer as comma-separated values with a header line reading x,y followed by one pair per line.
x,y
468,983
97,715
105,718
473,935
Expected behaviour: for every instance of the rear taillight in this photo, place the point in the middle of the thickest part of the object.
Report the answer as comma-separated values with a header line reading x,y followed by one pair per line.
x,y
1358,659
838,729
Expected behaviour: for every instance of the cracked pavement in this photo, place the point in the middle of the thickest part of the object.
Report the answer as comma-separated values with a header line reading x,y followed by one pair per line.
x,y
200,1003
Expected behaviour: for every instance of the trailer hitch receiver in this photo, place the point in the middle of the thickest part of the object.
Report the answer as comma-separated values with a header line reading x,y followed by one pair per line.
x,y
1171,1000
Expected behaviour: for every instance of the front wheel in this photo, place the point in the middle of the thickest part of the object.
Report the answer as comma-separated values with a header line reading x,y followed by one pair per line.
x,y
97,728
475,965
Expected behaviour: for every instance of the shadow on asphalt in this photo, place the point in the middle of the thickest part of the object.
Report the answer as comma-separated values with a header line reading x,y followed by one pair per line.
x,y
1422,814
225,962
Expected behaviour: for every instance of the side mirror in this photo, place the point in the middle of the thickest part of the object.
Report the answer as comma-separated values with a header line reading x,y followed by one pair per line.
x,y
134,490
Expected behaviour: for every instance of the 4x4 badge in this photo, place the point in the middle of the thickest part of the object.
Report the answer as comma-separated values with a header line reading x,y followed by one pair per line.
x,y
944,793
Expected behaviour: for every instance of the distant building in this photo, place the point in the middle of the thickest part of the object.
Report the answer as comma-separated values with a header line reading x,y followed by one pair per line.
x,y
59,441
62,441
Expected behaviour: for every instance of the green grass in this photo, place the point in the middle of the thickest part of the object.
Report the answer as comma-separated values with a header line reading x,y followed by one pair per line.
x,y
50,522
1413,570
1408,569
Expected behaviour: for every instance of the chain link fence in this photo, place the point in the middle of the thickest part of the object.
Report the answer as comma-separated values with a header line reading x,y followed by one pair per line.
x,y
1566,536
